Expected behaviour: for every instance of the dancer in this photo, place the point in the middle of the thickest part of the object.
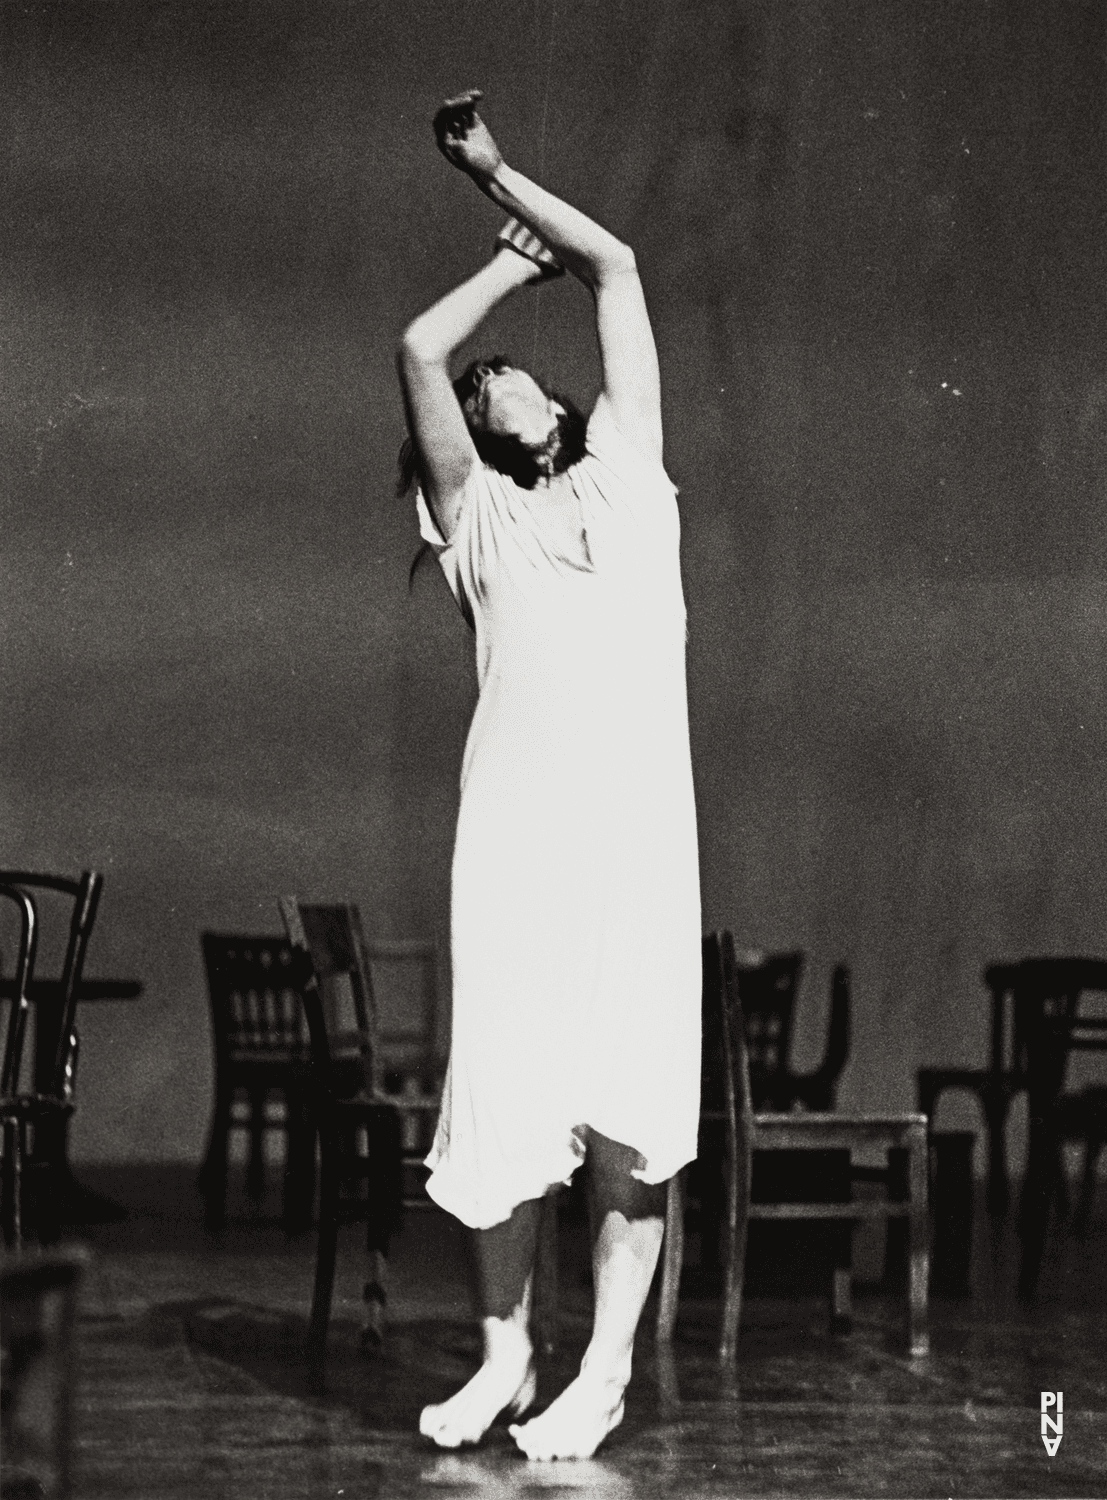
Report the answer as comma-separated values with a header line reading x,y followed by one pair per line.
x,y
575,906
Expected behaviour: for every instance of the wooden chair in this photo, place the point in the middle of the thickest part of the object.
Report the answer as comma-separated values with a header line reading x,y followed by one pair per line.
x,y
1049,997
262,1049
769,984
50,1195
38,1298
13,1109
996,1086
359,1128
901,1136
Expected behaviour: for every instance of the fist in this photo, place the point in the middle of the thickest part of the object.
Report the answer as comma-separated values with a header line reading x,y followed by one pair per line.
x,y
463,137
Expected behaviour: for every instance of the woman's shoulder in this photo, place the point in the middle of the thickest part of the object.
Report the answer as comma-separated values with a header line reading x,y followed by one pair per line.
x,y
616,451
440,523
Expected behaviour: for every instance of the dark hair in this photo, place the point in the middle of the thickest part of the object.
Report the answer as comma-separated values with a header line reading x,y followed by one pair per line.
x,y
506,454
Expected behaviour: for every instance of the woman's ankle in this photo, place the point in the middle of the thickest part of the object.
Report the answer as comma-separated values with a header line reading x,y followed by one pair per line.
x,y
507,1339
607,1366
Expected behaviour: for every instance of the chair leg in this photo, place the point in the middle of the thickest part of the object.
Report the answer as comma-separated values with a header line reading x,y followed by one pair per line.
x,y
41,1197
255,1169
216,1134
325,1256
739,1175
375,1296
12,1185
299,1164
672,1259
841,1300
1037,1196
212,1178
918,1231
1092,1148
384,1191
897,1238
996,1104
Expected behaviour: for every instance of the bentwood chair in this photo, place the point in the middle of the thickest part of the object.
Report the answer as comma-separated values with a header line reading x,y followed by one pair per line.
x,y
49,1190
359,1128
746,1132
14,1113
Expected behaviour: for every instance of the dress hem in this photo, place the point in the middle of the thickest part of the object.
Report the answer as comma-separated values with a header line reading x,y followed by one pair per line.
x,y
461,1205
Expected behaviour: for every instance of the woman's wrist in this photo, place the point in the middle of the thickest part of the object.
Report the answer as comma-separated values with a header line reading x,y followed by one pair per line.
x,y
516,236
512,270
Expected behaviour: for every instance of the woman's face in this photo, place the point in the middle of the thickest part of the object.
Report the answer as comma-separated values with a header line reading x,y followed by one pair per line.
x,y
510,403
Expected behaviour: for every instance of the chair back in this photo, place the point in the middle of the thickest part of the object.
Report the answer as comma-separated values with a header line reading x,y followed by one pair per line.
x,y
1048,1022
767,985
84,892
255,987
338,984
20,1001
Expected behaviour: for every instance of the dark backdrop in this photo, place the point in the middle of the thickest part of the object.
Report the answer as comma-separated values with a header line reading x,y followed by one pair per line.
x,y
872,239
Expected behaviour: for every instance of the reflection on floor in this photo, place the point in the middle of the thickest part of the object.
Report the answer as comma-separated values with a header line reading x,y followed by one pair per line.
x,y
191,1377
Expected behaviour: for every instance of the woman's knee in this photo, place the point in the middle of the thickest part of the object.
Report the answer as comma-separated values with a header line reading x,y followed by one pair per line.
x,y
611,1165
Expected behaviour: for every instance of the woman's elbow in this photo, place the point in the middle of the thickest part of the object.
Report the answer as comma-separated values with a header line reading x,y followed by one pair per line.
x,y
623,257
418,346
618,259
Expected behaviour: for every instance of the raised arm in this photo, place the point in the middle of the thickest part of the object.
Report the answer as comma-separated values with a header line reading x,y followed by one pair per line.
x,y
628,355
435,420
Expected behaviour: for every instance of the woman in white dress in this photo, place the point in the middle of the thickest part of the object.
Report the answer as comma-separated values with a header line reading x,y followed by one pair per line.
x,y
575,907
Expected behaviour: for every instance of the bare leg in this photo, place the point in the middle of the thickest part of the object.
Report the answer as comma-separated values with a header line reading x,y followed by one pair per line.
x,y
505,1261
628,1222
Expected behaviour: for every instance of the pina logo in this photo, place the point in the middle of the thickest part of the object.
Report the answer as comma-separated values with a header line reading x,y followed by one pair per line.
x,y
1054,1400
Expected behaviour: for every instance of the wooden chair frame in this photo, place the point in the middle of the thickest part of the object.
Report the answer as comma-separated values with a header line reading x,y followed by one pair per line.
x,y
747,1132
47,1184
1047,994
329,944
14,1111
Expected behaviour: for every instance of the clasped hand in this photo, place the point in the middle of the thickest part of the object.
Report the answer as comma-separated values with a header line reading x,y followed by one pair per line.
x,y
463,137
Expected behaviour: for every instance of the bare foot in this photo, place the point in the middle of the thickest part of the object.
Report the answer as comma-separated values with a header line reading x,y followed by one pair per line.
x,y
577,1422
506,1379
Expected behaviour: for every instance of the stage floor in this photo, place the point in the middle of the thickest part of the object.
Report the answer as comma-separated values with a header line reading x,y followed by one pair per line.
x,y
191,1377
